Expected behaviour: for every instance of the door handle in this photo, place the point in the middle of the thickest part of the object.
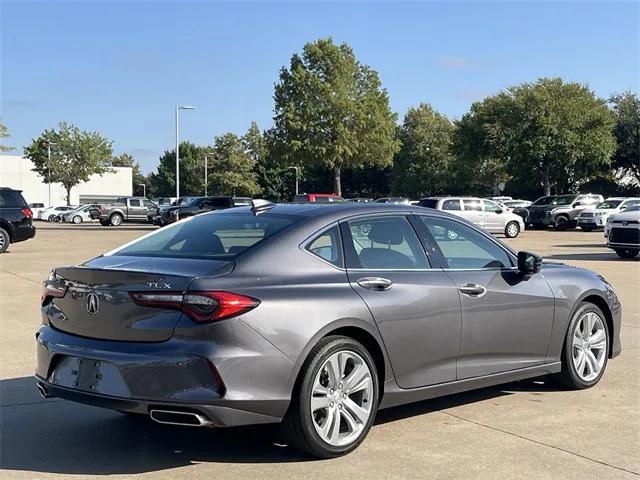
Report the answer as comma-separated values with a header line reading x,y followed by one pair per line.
x,y
375,283
473,290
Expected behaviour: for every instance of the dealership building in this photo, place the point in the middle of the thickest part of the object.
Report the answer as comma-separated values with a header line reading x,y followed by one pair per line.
x,y
17,172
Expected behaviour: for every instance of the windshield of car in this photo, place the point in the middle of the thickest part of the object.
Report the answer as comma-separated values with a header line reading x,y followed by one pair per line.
x,y
564,200
608,204
209,236
428,202
194,203
543,201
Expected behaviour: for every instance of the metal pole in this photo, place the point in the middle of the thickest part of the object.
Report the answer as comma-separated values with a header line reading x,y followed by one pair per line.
x,y
296,170
177,154
49,170
206,158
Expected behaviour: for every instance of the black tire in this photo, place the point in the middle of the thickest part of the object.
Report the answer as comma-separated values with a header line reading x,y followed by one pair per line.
x,y
627,252
297,423
115,220
52,218
5,240
568,376
562,223
538,226
511,230
586,229
104,223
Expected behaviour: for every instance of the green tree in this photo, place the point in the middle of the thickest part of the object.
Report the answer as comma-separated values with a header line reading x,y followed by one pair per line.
x,y
270,175
126,160
4,133
330,109
557,134
421,167
75,155
626,158
232,170
163,181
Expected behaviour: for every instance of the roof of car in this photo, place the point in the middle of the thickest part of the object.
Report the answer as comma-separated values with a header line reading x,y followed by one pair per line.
x,y
337,210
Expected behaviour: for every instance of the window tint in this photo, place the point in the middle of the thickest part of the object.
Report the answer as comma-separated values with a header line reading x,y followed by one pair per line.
x,y
474,205
491,206
215,237
134,202
451,205
428,202
301,199
631,203
327,246
36,205
385,242
149,204
463,247
11,198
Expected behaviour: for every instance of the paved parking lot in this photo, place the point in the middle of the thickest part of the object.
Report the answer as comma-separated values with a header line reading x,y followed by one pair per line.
x,y
520,430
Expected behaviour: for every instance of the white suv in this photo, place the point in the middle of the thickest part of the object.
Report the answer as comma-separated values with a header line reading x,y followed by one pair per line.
x,y
484,213
623,232
596,217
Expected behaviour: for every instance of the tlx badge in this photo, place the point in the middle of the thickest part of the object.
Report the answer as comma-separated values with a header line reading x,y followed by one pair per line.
x,y
158,285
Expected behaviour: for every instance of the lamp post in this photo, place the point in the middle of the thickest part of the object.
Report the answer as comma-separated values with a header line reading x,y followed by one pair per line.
x,y
297,169
144,189
206,177
49,168
178,108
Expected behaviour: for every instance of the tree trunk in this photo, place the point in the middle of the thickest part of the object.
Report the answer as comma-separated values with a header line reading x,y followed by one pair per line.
x,y
337,186
68,189
545,180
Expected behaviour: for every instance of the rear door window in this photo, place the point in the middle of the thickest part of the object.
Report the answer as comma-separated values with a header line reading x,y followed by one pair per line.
x,y
384,243
451,205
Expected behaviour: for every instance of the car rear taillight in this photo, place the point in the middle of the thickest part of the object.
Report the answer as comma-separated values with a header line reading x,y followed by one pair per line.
x,y
200,306
52,291
26,211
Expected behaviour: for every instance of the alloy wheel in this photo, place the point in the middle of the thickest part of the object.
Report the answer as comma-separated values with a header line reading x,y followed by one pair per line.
x,y
589,345
3,241
513,230
342,398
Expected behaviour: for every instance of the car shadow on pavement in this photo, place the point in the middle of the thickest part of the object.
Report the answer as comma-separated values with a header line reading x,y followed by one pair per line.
x,y
599,257
57,436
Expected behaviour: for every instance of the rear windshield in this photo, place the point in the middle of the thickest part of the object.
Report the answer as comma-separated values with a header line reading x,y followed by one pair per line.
x,y
428,202
215,237
11,198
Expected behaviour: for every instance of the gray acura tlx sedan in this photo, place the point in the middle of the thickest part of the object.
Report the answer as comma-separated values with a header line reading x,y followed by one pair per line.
x,y
315,316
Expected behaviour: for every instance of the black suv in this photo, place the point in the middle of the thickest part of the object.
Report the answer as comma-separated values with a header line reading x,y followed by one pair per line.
x,y
200,205
16,218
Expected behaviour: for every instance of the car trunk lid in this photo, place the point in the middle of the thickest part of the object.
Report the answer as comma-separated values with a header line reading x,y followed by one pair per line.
x,y
97,303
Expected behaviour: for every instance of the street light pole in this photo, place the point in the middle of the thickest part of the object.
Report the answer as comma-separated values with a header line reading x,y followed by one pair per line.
x,y
206,177
49,169
144,189
178,108
297,170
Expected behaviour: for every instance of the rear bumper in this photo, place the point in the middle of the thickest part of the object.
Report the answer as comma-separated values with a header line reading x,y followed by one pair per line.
x,y
245,383
23,232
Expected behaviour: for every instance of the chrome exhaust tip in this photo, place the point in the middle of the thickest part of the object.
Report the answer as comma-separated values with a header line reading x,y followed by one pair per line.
x,y
44,391
177,417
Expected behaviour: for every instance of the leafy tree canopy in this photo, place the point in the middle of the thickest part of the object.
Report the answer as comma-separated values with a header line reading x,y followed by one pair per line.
x,y
4,133
626,110
75,155
232,171
138,179
421,167
163,181
331,110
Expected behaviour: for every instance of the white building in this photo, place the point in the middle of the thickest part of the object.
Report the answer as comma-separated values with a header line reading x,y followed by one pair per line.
x,y
17,172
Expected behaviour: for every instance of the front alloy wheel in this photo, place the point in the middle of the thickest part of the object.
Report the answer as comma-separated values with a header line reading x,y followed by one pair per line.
x,y
512,230
586,348
335,400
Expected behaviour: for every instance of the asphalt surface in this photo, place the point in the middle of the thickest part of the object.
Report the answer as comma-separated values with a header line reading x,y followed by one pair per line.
x,y
527,429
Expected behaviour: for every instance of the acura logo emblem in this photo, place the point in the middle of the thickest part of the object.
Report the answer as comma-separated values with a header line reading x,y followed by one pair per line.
x,y
625,223
92,303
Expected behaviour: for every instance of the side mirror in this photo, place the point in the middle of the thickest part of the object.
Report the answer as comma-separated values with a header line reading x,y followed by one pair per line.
x,y
577,204
529,263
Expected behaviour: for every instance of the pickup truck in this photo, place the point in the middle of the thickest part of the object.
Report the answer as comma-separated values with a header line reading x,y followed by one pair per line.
x,y
197,206
128,209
